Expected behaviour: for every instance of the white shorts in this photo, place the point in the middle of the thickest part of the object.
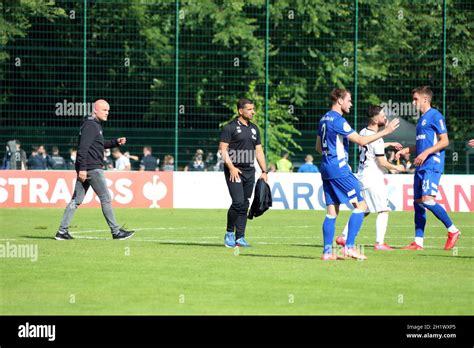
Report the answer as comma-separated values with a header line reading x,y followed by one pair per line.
x,y
376,198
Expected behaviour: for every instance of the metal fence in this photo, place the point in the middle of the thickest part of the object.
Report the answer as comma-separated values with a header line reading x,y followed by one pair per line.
x,y
172,70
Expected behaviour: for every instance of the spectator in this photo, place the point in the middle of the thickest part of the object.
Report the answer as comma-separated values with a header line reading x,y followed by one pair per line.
x,y
39,159
219,166
134,160
196,166
407,163
391,159
121,161
209,162
71,162
272,168
149,162
108,162
284,165
308,167
59,161
168,163
15,160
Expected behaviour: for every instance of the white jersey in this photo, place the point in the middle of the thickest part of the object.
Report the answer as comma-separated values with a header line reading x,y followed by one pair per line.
x,y
369,173
121,163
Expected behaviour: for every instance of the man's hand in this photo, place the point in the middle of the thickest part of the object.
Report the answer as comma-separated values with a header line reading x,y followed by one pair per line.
x,y
402,152
264,176
121,141
82,175
421,158
397,146
392,126
234,174
471,143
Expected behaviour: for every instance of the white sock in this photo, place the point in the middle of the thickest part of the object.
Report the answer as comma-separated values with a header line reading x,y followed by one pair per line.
x,y
419,241
381,226
452,229
344,232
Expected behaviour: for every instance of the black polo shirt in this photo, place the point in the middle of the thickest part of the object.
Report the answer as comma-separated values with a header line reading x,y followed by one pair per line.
x,y
242,140
149,163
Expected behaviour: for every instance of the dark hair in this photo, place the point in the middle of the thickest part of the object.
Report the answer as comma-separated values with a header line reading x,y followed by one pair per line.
x,y
373,111
54,149
337,93
426,90
242,102
148,148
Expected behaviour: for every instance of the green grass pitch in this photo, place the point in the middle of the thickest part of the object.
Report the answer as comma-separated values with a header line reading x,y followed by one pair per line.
x,y
176,264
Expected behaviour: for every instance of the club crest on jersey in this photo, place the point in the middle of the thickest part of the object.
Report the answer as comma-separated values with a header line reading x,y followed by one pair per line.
x,y
254,132
423,122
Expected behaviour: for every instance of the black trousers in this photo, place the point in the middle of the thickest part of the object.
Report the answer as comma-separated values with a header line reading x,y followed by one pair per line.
x,y
240,193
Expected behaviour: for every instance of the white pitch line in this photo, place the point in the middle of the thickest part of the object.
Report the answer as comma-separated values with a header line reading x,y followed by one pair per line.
x,y
219,228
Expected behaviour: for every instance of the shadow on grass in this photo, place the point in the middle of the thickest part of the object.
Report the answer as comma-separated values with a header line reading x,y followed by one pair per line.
x,y
193,244
306,245
280,256
39,237
450,256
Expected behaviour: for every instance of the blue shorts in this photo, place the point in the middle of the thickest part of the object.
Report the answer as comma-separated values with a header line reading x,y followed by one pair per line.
x,y
342,190
426,183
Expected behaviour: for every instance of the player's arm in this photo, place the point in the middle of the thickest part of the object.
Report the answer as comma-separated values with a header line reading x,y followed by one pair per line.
x,y
234,171
443,142
88,134
318,145
397,146
404,151
261,161
108,144
383,163
364,140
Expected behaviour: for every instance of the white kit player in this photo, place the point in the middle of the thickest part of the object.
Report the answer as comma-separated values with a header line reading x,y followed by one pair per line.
x,y
372,163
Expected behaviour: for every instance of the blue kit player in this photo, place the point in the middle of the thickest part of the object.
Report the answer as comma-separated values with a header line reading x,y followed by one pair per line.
x,y
431,140
339,184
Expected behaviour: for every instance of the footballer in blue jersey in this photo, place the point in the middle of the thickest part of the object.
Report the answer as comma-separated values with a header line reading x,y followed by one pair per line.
x,y
431,140
339,184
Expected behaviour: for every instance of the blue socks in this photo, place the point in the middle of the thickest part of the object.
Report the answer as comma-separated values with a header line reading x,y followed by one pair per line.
x,y
329,228
439,212
420,219
355,223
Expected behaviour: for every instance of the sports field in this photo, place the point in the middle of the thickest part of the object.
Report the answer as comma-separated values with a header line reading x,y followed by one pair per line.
x,y
176,264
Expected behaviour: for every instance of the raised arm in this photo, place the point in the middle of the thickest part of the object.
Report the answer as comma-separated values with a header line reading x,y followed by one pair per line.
x,y
382,162
364,140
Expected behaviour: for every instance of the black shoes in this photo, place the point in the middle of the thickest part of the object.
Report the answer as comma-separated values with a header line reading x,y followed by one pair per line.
x,y
122,234
63,236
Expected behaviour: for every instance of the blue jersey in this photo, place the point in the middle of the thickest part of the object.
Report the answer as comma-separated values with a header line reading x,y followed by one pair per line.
x,y
333,130
430,124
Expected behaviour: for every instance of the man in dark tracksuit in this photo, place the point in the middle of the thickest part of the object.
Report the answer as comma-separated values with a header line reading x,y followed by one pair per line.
x,y
239,146
90,173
